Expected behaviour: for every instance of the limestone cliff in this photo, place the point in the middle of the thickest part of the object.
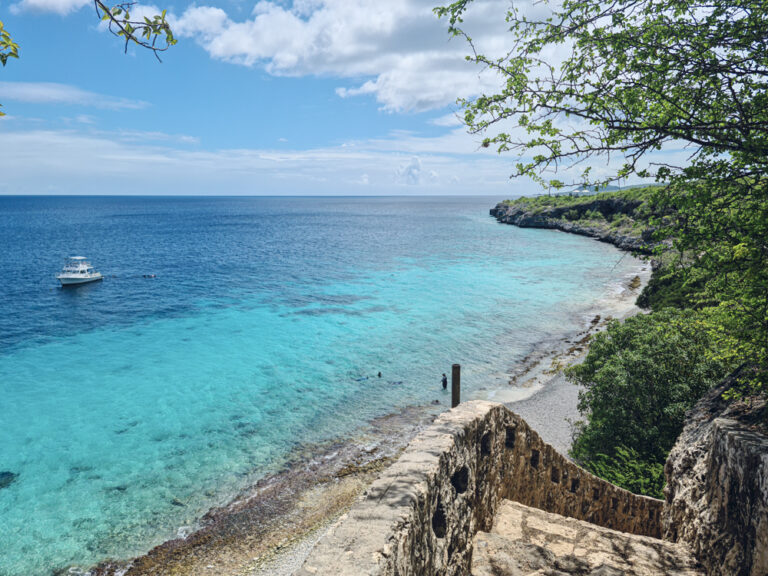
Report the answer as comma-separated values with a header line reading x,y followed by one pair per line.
x,y
717,488
609,219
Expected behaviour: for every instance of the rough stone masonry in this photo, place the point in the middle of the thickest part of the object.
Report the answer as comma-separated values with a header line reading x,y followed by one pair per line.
x,y
426,512
717,489
421,515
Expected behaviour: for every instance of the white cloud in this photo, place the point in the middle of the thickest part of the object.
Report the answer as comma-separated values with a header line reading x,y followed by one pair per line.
x,y
410,173
71,162
413,173
449,120
53,93
153,136
58,6
397,51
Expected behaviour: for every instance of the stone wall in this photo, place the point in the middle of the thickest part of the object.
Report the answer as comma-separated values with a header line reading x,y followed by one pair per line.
x,y
717,490
420,516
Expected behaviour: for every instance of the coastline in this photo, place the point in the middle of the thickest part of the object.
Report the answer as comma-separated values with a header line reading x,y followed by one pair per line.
x,y
552,410
318,484
269,528
556,218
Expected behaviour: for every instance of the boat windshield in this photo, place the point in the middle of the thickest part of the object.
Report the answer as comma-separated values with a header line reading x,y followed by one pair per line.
x,y
78,265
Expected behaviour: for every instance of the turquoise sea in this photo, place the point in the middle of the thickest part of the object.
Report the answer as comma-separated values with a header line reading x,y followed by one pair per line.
x,y
130,407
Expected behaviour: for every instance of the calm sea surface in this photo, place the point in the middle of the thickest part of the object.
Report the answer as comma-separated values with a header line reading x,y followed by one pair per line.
x,y
130,407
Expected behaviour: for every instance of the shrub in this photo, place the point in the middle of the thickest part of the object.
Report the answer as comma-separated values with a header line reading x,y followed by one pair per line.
x,y
629,471
639,378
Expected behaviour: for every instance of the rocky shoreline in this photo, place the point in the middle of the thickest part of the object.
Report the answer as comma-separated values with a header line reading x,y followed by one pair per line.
x,y
271,527
556,218
319,483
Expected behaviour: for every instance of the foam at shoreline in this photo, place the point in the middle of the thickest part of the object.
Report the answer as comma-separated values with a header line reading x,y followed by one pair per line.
x,y
270,528
133,408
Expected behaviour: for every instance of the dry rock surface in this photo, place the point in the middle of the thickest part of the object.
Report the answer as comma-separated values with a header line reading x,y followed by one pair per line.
x,y
527,541
554,218
717,488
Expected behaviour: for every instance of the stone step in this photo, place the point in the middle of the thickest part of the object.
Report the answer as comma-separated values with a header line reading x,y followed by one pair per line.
x,y
527,541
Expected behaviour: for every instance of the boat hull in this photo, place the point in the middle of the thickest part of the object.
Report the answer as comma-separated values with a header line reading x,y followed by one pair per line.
x,y
77,281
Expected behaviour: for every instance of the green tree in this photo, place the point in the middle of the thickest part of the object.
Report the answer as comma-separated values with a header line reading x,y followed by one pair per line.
x,y
144,33
639,379
720,265
636,75
8,49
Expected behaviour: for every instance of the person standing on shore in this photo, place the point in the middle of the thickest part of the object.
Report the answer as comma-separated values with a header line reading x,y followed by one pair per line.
x,y
445,382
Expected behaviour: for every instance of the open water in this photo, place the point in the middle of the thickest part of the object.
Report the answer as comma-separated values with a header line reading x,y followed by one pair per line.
x,y
130,407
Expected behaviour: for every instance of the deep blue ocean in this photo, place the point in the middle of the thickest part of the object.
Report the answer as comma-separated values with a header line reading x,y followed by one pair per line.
x,y
130,407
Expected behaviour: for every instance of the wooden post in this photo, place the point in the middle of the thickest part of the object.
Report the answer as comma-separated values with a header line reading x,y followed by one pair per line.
x,y
455,385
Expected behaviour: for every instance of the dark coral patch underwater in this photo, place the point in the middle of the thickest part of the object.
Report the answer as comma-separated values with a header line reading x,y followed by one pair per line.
x,y
7,478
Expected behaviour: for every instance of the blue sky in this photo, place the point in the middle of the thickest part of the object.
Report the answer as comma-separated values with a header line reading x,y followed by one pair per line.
x,y
308,97
269,97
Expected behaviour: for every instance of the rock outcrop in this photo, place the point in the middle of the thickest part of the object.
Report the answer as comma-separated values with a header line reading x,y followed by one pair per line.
x,y
717,490
557,218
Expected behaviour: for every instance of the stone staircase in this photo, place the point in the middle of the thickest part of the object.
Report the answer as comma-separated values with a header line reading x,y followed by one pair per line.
x,y
526,541
479,492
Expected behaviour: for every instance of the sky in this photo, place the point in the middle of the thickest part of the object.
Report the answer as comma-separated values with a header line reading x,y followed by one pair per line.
x,y
305,97
347,97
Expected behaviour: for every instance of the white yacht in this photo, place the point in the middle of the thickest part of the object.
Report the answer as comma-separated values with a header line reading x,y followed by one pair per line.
x,y
78,271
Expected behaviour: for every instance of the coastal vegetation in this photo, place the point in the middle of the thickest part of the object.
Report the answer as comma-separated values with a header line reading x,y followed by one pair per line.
x,y
634,80
625,212
641,376
638,380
